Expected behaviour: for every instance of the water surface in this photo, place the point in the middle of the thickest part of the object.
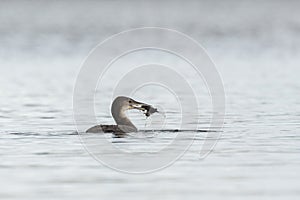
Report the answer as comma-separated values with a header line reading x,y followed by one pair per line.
x,y
255,49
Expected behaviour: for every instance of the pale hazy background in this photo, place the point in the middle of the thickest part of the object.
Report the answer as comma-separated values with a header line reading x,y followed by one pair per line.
x,y
256,47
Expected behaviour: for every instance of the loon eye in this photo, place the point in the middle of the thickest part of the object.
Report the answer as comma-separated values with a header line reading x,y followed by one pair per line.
x,y
130,101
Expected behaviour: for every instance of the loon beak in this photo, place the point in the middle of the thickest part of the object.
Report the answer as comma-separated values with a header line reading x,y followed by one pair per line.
x,y
147,109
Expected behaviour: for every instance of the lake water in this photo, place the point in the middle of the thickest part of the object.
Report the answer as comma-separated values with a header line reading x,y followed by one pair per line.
x,y
256,48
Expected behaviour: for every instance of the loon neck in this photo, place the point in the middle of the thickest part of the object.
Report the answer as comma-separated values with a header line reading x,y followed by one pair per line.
x,y
122,120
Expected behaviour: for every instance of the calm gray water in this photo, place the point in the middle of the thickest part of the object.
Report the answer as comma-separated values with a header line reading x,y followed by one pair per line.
x,y
256,48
